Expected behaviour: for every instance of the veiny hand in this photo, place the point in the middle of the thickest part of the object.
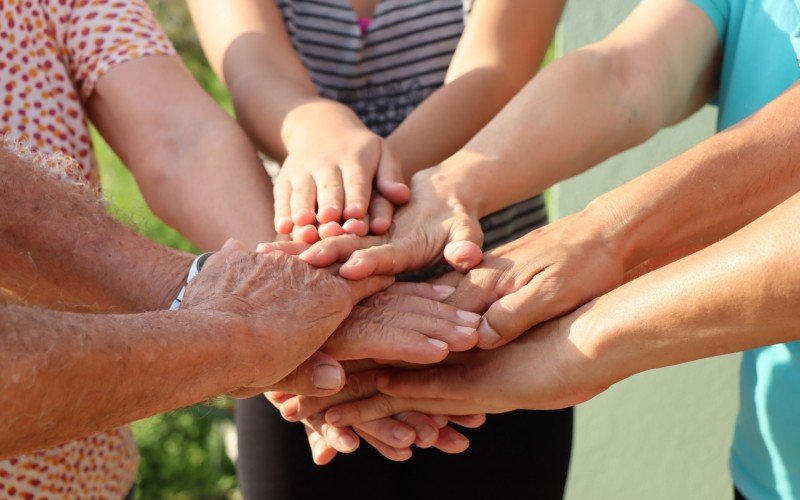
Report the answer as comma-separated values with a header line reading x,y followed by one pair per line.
x,y
433,225
550,367
407,322
280,311
328,174
546,273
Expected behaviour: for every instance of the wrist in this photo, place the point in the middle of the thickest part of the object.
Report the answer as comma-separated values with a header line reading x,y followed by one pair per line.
x,y
316,117
169,277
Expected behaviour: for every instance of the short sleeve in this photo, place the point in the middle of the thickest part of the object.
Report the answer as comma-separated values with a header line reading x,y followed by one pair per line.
x,y
718,11
104,33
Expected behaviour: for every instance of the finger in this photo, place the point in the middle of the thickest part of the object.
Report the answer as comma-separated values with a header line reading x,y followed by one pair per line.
x,y
367,339
389,177
387,302
430,383
337,249
288,247
305,234
362,289
342,439
359,227
424,290
514,314
425,428
283,210
409,331
381,211
319,375
277,398
463,250
451,441
321,452
468,421
330,195
394,454
357,190
391,432
330,229
389,260
303,201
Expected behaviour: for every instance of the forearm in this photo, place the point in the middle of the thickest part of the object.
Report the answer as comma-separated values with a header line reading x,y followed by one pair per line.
x,y
443,123
60,249
710,191
737,294
195,166
501,48
655,69
50,365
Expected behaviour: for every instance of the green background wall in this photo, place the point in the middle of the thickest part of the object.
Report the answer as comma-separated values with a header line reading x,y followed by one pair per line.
x,y
663,434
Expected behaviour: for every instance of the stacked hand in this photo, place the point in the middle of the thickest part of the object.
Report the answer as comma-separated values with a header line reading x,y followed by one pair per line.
x,y
325,187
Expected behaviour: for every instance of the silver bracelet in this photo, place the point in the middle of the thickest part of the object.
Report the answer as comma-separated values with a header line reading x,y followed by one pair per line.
x,y
194,270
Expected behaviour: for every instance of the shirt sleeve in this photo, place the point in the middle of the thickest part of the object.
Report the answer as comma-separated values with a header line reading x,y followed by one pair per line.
x,y
718,11
104,33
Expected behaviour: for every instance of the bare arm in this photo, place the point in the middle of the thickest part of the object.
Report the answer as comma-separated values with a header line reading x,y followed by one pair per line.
x,y
657,68
60,249
195,166
502,47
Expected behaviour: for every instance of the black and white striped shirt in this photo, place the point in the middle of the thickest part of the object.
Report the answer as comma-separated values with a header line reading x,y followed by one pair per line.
x,y
386,72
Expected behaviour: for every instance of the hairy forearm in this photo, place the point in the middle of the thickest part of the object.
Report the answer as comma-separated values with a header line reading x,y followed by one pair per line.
x,y
737,294
60,249
50,364
713,189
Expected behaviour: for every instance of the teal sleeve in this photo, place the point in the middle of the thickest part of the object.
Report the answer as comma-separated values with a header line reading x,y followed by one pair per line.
x,y
718,12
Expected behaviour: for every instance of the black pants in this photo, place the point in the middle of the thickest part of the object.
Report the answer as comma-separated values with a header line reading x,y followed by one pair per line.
x,y
523,453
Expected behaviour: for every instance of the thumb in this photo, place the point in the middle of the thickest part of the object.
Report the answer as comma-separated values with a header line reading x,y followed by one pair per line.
x,y
233,244
389,177
361,289
319,375
516,313
439,382
463,251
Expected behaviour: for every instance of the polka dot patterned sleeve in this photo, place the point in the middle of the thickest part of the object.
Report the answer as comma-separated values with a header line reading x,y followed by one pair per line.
x,y
101,34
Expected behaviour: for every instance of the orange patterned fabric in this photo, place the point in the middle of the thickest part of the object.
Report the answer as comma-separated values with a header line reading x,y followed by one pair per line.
x,y
52,53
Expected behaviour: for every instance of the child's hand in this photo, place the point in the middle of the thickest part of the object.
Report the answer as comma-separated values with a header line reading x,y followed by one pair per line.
x,y
328,176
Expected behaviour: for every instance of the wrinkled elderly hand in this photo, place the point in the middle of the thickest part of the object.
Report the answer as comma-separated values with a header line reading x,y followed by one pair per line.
x,y
280,311
549,367
433,225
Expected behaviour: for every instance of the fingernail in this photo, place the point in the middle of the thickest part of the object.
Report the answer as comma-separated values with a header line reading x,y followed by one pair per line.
x,y
289,409
310,253
487,335
465,330
327,377
426,433
458,439
402,434
468,316
228,243
347,442
439,344
353,262
333,417
263,247
440,420
444,291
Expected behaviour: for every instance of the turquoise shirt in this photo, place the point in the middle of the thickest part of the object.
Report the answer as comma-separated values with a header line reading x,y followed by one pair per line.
x,y
761,48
